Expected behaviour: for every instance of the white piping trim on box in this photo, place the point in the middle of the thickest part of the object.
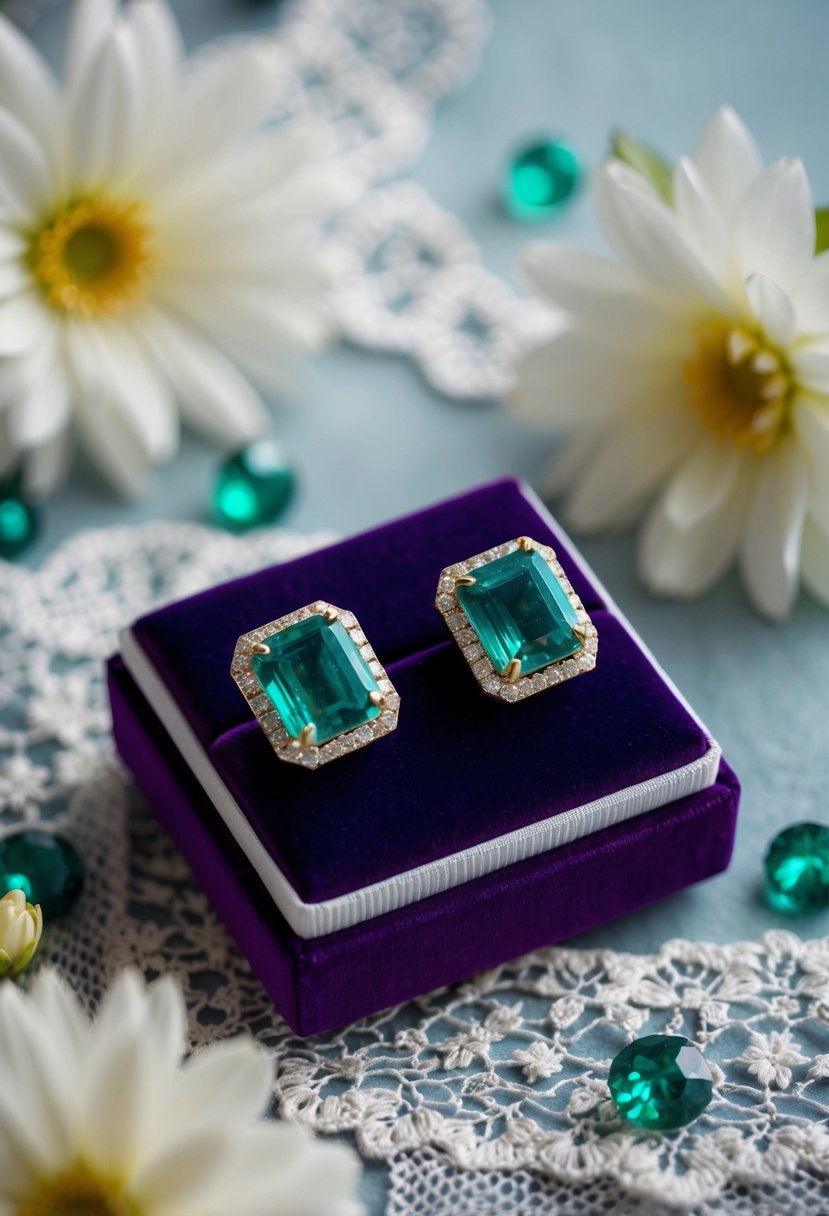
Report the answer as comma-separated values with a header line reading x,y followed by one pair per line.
x,y
309,920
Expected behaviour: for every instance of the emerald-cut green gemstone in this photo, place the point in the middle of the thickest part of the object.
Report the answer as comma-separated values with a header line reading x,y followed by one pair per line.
x,y
253,486
797,869
520,610
540,179
661,1081
316,676
45,866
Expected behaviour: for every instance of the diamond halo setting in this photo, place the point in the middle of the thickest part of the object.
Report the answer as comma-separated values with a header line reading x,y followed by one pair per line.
x,y
366,701
538,636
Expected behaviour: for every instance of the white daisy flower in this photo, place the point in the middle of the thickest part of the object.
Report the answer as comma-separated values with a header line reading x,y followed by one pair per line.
x,y
695,370
155,249
104,1119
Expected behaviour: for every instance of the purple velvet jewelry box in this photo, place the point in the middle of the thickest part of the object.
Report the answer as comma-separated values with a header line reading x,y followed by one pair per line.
x,y
474,833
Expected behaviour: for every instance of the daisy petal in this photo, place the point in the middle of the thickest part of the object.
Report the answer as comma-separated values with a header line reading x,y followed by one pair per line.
x,y
645,235
166,1017
14,278
27,86
159,50
46,466
109,359
774,225
212,393
727,158
310,1183
815,562
574,380
105,109
12,244
87,25
25,184
811,423
237,1069
24,323
184,1171
772,308
810,363
770,555
42,411
702,484
685,558
811,299
617,481
62,1012
219,101
702,223
606,297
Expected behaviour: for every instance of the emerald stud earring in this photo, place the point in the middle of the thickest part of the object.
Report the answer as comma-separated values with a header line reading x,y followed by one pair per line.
x,y
315,684
517,620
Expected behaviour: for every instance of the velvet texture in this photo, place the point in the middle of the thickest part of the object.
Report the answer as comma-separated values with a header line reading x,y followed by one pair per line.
x,y
330,981
447,778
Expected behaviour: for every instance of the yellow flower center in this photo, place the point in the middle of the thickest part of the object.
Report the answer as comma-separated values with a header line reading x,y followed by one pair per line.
x,y
94,257
77,1192
739,385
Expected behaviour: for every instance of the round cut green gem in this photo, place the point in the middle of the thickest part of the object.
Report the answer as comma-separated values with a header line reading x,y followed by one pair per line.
x,y
253,486
45,866
18,520
661,1082
797,869
540,179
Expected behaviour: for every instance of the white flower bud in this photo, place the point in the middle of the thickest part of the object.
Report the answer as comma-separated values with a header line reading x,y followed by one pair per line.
x,y
21,925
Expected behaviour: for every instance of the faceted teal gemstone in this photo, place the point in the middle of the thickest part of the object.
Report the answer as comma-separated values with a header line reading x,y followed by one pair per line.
x,y
797,869
540,179
253,486
19,520
661,1081
316,676
43,865
520,610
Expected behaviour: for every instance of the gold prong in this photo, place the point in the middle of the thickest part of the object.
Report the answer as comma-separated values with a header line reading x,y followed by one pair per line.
x,y
307,735
526,544
330,613
465,580
377,699
512,671
580,631
261,648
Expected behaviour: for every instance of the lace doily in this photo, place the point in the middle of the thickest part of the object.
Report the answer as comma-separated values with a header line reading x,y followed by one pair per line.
x,y
488,1097
409,278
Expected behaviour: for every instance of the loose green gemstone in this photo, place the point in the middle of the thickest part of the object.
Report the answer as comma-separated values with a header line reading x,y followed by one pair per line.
x,y
661,1081
19,521
253,486
45,866
797,869
316,676
520,610
540,179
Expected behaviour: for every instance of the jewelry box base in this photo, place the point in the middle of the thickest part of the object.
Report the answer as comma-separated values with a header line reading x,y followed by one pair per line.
x,y
321,983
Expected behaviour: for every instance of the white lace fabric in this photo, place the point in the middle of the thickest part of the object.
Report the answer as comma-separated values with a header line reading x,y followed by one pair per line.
x,y
489,1097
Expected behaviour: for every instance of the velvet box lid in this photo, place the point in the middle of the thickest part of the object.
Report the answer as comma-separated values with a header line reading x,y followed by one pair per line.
x,y
467,789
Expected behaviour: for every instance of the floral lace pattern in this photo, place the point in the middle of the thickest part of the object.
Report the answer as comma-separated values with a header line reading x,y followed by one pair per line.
x,y
497,1083
408,276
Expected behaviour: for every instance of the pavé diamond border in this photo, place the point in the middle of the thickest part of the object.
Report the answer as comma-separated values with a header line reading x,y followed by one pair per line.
x,y
493,683
312,755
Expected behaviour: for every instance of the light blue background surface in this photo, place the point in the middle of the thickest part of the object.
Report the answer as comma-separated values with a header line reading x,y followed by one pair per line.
x,y
579,67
